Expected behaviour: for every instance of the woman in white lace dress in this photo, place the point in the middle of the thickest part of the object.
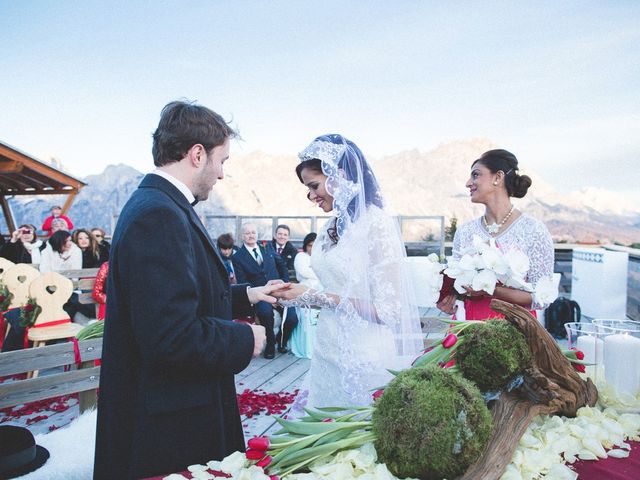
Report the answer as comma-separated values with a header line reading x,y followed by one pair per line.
x,y
493,181
367,324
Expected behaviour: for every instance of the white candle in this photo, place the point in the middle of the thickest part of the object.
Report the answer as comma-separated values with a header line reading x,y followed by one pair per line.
x,y
592,348
621,363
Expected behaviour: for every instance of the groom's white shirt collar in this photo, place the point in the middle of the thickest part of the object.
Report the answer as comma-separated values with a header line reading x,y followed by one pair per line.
x,y
176,183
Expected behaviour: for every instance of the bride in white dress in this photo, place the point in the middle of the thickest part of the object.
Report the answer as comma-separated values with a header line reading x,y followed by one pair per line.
x,y
367,324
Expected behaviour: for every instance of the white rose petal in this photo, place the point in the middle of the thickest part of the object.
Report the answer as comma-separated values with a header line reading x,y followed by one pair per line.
x,y
214,465
587,455
197,468
618,453
561,472
594,446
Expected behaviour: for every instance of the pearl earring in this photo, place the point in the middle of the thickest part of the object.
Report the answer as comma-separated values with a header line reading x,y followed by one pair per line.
x,y
495,183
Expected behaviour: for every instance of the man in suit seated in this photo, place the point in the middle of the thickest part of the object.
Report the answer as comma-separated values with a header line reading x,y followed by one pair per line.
x,y
256,265
283,246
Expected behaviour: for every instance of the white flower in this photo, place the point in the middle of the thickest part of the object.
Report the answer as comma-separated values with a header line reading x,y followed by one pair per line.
x,y
485,280
493,259
464,280
233,463
478,244
518,262
546,291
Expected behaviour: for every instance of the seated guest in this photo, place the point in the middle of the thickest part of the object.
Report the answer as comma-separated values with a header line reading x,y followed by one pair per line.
x,y
304,334
256,265
283,246
100,235
56,214
225,245
24,246
62,254
58,224
89,246
99,293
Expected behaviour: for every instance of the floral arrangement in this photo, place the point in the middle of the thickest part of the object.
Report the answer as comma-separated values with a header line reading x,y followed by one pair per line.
x,y
549,443
5,297
29,312
490,353
483,266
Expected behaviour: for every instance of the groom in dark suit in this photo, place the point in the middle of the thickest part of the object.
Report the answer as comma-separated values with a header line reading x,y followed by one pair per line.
x,y
257,265
167,392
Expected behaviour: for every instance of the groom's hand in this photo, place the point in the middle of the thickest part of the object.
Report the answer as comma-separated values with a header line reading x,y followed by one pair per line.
x,y
268,293
259,339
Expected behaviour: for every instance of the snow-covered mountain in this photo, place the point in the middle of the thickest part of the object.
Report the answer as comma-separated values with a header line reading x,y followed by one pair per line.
x,y
413,182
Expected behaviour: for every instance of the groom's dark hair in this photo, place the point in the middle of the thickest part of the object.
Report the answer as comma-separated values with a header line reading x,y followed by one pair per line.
x,y
184,124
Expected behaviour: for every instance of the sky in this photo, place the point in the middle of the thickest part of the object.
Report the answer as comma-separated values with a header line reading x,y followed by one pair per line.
x,y
555,82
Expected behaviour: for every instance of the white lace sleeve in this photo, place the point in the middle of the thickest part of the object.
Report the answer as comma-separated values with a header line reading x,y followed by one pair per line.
x,y
311,298
541,255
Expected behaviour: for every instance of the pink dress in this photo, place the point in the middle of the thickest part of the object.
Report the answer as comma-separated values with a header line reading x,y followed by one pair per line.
x,y
526,234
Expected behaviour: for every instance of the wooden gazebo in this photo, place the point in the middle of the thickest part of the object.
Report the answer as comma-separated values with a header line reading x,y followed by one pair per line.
x,y
21,174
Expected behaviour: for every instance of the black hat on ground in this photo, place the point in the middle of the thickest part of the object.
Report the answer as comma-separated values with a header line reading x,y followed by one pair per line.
x,y
19,453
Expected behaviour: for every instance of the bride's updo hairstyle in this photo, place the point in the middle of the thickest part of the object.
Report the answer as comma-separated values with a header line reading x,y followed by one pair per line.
x,y
502,160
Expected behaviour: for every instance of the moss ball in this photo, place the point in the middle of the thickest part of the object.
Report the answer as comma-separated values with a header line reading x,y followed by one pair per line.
x,y
430,423
493,353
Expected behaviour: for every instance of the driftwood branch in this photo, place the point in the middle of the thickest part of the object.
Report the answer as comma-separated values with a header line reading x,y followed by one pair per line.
x,y
551,386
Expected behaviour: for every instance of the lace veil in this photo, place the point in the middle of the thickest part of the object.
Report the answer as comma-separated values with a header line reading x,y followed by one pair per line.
x,y
375,287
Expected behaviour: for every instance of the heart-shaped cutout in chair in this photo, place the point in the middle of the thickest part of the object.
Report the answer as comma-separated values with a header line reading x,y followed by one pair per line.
x,y
17,279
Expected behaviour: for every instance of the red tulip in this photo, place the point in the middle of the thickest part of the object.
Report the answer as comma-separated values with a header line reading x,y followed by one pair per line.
x,y
326,420
377,394
254,454
579,367
449,364
579,355
450,340
274,477
264,462
28,307
259,443
2,298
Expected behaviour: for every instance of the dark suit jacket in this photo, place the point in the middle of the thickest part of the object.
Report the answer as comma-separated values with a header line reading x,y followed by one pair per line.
x,y
288,254
248,271
167,393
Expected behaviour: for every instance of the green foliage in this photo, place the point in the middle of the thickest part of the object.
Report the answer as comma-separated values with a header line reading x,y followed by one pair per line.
x,y
492,354
91,330
430,423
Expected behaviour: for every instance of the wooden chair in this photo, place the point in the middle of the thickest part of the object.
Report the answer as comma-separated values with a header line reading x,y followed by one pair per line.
x,y
17,278
51,291
5,265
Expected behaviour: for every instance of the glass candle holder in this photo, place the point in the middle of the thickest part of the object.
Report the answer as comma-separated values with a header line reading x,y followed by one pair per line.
x,y
619,387
586,338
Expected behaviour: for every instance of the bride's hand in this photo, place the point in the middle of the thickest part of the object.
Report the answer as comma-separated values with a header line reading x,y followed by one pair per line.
x,y
291,293
269,293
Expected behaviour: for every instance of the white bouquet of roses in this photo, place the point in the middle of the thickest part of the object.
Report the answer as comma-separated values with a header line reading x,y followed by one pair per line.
x,y
483,266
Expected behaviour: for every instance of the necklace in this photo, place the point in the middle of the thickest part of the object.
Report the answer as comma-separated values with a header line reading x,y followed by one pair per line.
x,y
495,227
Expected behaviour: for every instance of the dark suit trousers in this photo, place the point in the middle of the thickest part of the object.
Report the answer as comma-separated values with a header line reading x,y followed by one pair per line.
x,y
264,311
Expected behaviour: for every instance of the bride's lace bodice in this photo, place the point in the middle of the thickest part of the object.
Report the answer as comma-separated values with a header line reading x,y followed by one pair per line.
x,y
352,355
526,234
